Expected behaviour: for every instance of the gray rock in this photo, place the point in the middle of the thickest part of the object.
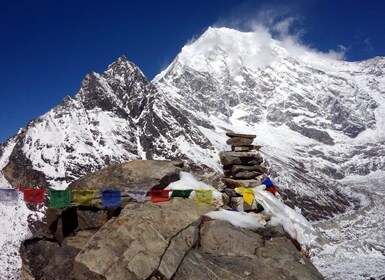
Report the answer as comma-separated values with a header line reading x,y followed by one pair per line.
x,y
135,243
220,238
89,218
35,254
136,174
283,254
244,158
246,175
238,141
61,262
286,263
233,135
232,183
240,168
175,253
159,241
245,148
318,135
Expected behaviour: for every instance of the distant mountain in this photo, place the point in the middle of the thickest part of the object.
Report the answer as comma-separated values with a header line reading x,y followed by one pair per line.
x,y
115,116
318,119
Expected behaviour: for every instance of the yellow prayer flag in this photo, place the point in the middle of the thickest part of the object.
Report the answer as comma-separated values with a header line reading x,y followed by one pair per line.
x,y
247,193
204,197
83,196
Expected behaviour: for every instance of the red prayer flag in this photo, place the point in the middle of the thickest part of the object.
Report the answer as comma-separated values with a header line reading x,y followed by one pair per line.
x,y
34,196
272,189
159,195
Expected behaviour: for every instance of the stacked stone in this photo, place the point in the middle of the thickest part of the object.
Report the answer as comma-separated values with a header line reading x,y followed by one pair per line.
x,y
241,168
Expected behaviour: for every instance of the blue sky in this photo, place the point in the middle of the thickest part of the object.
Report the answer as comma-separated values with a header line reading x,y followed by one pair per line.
x,y
47,47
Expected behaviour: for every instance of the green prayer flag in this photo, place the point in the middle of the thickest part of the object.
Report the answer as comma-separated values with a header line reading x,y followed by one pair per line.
x,y
181,193
59,199
204,197
83,196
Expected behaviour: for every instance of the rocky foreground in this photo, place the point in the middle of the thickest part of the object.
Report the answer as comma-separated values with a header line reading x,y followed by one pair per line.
x,y
169,240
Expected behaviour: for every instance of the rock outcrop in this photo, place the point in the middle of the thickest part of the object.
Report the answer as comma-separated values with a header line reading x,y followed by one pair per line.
x,y
135,174
170,240
167,240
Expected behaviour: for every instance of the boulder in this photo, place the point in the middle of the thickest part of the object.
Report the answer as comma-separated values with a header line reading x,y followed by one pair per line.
x,y
235,201
142,241
219,238
227,252
169,240
136,174
35,254
60,264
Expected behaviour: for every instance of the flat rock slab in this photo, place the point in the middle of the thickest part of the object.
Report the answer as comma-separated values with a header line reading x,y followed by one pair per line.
x,y
142,240
240,168
238,141
220,238
246,175
242,158
227,252
245,148
232,134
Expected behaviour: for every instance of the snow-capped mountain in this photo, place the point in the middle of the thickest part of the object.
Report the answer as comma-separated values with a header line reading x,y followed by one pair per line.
x,y
320,120
115,117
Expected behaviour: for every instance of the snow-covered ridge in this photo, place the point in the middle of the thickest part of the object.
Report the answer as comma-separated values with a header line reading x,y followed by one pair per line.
x,y
318,118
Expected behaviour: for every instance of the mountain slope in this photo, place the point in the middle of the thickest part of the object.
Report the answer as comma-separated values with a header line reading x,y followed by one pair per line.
x,y
311,112
320,120
116,116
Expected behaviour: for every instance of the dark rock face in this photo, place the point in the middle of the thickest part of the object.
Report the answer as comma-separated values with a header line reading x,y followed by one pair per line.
x,y
318,135
20,172
35,254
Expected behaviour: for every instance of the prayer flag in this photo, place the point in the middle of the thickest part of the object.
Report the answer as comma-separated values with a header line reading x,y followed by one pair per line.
x,y
267,182
260,208
272,189
111,198
159,195
181,193
59,198
9,196
247,193
138,195
83,196
34,196
204,197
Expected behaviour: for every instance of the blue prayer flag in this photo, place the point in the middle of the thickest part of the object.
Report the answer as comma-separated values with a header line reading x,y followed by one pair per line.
x,y
267,182
111,198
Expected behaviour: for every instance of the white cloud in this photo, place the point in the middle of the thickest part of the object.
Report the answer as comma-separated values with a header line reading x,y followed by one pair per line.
x,y
368,45
253,47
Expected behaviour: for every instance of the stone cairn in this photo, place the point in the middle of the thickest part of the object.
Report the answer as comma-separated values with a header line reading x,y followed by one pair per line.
x,y
241,168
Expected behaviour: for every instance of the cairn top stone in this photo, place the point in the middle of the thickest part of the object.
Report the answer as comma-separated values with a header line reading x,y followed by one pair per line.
x,y
239,141
232,134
